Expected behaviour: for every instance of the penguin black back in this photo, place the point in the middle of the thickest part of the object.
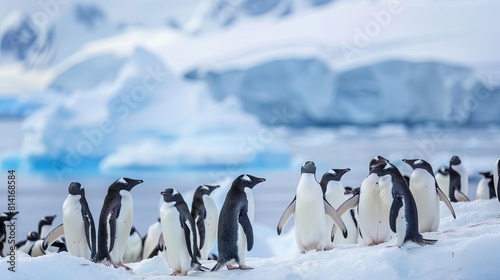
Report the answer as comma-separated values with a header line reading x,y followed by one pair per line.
x,y
234,212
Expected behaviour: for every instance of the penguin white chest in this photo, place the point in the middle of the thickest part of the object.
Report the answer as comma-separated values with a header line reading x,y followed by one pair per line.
x,y
123,225
423,189
309,214
335,196
401,226
211,222
74,228
173,236
373,223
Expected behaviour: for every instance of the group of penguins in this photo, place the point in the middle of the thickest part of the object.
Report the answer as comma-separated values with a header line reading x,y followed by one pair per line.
x,y
388,205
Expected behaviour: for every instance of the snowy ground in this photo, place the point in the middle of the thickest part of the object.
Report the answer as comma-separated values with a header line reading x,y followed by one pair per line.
x,y
468,248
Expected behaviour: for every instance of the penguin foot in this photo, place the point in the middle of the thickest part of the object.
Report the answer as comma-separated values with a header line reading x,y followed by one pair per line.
x,y
179,273
245,267
231,267
120,264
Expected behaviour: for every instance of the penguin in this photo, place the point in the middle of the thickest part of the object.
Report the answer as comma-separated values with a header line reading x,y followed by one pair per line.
x,y
496,178
442,176
204,213
78,225
485,187
115,222
150,241
4,248
426,193
26,245
133,249
235,227
179,233
335,194
403,217
459,181
310,207
45,225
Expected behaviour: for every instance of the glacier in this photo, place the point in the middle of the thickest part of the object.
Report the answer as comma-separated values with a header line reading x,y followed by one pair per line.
x,y
201,87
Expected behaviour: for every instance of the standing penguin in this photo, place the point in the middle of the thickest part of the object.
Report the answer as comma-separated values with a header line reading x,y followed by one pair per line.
x,y
442,176
133,249
78,225
179,233
115,222
150,241
496,178
426,193
235,230
485,186
403,217
204,213
459,181
310,207
335,194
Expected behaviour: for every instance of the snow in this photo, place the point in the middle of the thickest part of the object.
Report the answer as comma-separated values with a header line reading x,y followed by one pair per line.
x,y
466,249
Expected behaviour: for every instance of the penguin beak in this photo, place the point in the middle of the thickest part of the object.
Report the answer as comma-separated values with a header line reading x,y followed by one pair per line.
x,y
260,180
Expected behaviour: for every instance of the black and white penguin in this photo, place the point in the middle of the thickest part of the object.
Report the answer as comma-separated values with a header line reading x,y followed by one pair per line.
x,y
26,245
442,176
403,217
459,181
115,222
485,187
204,212
496,178
45,225
310,208
426,193
335,194
4,219
235,230
179,233
151,240
133,249
78,225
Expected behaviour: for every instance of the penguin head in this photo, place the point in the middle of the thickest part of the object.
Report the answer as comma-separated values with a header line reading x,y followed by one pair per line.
x,y
76,188
207,189
335,174
308,167
123,183
172,195
47,220
455,160
347,190
247,181
376,161
9,215
382,168
419,163
33,236
487,175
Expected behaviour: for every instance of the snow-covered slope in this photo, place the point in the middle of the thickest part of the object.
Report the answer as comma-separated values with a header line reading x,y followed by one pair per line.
x,y
467,249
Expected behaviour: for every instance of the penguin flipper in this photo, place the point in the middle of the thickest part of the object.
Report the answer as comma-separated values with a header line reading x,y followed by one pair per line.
x,y
461,196
330,211
247,229
53,235
200,226
348,204
397,203
445,199
190,237
89,226
287,214
217,266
